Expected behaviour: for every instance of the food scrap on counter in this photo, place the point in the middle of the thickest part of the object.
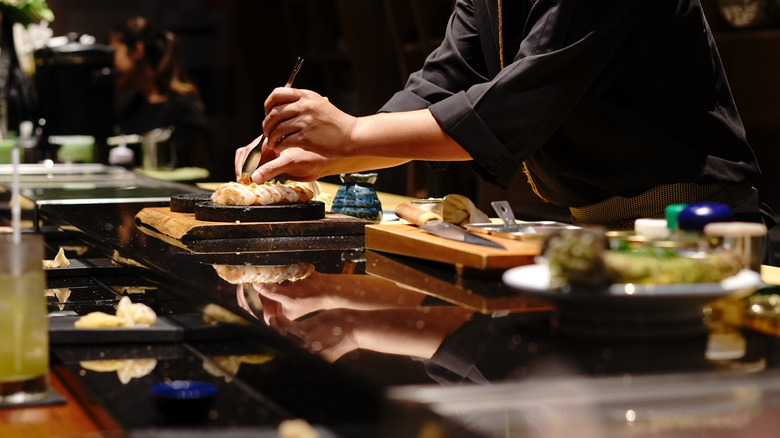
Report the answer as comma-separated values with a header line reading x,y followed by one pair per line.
x,y
228,366
60,261
297,428
128,314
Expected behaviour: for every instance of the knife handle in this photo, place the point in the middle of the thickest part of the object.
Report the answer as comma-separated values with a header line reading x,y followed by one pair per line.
x,y
415,215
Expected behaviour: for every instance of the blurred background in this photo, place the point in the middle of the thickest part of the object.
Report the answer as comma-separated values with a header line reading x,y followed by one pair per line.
x,y
359,52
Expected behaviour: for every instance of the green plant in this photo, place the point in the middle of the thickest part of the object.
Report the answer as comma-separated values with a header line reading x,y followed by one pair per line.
x,y
25,12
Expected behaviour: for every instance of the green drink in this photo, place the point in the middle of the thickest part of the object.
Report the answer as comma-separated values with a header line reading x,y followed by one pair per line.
x,y
24,337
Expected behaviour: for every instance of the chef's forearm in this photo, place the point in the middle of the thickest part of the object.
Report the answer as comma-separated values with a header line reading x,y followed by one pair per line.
x,y
360,164
411,135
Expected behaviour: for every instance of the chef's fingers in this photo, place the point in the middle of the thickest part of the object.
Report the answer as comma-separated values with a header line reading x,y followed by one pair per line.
x,y
278,165
277,108
266,156
268,169
288,110
281,95
278,124
240,157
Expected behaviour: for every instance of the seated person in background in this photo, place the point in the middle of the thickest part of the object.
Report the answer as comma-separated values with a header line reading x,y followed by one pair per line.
x,y
155,92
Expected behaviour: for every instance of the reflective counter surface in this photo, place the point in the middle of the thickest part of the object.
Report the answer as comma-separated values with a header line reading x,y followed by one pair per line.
x,y
361,343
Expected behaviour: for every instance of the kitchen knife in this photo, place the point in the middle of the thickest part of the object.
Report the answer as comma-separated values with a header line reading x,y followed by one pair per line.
x,y
434,224
253,159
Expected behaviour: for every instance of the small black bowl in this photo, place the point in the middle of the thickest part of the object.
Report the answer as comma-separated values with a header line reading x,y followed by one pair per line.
x,y
183,399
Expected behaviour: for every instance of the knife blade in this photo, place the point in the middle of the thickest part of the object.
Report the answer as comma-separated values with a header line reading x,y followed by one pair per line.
x,y
434,224
253,159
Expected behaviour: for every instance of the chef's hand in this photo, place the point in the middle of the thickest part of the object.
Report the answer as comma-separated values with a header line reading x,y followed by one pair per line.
x,y
292,163
243,152
304,119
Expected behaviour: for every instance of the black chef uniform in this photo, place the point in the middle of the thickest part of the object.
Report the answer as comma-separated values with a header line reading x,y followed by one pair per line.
x,y
615,108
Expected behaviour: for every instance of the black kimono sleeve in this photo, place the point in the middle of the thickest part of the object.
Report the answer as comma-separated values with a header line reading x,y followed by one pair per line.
x,y
501,117
623,95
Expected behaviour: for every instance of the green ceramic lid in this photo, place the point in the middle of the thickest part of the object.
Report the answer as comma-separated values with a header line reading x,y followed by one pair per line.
x,y
672,211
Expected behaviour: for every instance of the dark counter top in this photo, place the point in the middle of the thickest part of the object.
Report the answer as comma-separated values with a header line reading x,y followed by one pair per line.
x,y
371,344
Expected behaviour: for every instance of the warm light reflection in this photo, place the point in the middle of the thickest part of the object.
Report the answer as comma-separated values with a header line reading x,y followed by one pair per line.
x,y
630,416
630,289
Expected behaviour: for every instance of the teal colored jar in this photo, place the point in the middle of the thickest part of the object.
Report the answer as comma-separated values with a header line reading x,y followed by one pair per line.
x,y
356,197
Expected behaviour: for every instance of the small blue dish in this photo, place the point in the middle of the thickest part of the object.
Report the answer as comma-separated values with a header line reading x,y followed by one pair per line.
x,y
183,398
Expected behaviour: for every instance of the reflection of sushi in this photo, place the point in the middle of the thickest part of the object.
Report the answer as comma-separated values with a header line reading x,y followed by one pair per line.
x,y
126,369
239,274
260,194
228,366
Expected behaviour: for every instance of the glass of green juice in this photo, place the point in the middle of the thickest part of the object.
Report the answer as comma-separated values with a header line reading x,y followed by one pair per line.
x,y
24,330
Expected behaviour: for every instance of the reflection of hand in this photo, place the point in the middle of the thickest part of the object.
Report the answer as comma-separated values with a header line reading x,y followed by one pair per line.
x,y
328,291
328,333
252,302
294,299
412,332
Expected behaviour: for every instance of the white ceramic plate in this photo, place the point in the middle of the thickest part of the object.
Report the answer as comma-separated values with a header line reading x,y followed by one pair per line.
x,y
535,280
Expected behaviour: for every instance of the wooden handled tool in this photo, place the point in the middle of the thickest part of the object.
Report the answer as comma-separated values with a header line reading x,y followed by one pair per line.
x,y
434,224
415,215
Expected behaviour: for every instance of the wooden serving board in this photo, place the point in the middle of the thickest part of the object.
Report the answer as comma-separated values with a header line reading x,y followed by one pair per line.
x,y
185,228
411,241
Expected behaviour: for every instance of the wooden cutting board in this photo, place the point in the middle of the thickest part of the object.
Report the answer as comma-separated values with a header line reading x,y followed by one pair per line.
x,y
411,241
185,228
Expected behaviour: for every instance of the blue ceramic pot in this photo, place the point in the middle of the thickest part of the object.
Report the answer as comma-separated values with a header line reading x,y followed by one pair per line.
x,y
356,197
695,216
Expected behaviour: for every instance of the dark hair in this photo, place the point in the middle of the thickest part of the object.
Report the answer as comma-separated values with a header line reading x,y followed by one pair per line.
x,y
161,52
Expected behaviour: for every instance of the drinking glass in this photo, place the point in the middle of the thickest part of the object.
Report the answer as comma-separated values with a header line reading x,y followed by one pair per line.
x,y
24,334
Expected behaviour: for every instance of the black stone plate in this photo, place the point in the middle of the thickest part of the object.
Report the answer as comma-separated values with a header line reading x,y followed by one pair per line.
x,y
168,328
62,331
185,203
208,211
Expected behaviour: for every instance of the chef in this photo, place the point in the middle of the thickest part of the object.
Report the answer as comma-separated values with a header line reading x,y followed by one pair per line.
x,y
613,108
